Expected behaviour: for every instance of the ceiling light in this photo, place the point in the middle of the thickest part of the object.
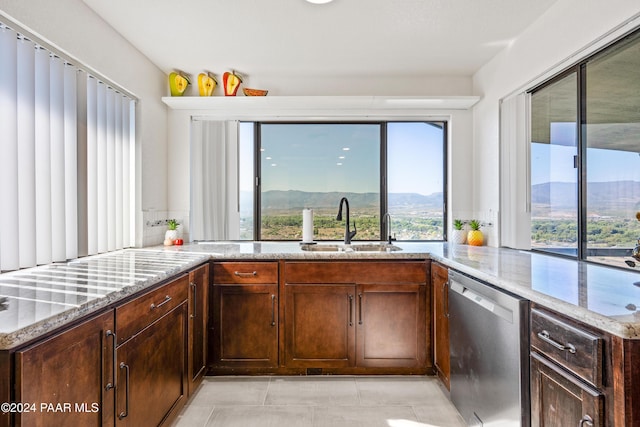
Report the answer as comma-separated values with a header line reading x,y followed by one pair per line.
x,y
319,1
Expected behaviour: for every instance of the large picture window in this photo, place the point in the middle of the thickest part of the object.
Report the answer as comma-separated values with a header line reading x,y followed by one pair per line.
x,y
585,158
380,167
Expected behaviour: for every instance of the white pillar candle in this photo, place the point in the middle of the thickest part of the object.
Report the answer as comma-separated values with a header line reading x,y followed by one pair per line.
x,y
307,225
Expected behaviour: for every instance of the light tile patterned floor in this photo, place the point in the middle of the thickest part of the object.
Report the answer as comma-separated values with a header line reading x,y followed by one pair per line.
x,y
332,401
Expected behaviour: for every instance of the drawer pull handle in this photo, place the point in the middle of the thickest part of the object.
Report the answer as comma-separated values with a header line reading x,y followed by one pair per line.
x,y
125,413
112,385
245,274
586,421
544,336
166,300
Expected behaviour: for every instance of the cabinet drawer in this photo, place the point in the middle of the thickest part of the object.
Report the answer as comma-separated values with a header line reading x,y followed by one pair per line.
x,y
245,272
349,272
136,315
575,349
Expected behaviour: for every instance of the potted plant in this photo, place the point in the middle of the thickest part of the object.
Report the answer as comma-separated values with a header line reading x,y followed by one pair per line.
x,y
172,232
474,236
459,236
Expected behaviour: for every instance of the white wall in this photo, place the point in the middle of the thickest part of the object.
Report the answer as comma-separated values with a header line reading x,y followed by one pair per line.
x,y
73,28
563,35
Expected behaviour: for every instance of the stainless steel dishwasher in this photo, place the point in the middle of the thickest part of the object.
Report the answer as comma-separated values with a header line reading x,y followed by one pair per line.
x,y
489,346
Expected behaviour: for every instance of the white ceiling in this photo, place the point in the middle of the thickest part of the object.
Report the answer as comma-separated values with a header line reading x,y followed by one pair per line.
x,y
345,37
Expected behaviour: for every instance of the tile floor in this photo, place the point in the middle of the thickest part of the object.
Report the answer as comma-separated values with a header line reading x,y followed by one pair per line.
x,y
336,401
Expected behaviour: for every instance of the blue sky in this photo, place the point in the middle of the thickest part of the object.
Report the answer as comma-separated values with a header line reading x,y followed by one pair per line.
x,y
554,162
345,157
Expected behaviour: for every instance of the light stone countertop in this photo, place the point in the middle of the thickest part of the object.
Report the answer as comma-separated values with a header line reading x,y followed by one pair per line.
x,y
604,297
37,300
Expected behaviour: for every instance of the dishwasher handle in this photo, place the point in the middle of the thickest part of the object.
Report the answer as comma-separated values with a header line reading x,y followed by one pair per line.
x,y
481,300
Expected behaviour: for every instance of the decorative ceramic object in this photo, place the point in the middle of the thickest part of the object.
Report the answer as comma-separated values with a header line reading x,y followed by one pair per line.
x,y
475,236
206,83
172,233
459,235
231,82
254,92
178,83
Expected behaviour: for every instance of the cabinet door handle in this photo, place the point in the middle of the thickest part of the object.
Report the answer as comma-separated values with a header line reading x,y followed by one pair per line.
x,y
245,273
166,300
445,299
586,421
195,300
273,310
112,385
546,337
360,308
350,310
125,414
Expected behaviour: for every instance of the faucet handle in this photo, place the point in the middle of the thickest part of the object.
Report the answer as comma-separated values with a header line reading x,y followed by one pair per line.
x,y
355,230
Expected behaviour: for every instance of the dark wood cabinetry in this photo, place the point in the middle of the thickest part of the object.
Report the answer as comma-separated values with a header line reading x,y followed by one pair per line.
x,y
151,380
568,384
439,282
320,326
365,314
391,325
198,318
244,319
560,399
127,365
74,369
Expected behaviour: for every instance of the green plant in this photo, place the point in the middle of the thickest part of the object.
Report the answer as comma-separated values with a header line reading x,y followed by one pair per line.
x,y
172,224
474,224
458,224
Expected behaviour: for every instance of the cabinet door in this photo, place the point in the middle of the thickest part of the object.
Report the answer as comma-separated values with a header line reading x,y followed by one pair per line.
x,y
198,313
559,399
439,280
391,325
151,366
320,325
72,374
245,325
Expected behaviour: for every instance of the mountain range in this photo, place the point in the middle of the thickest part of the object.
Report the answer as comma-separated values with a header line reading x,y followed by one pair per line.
x,y
294,200
603,198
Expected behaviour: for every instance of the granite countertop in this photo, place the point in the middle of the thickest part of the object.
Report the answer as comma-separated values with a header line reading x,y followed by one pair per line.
x,y
604,297
37,300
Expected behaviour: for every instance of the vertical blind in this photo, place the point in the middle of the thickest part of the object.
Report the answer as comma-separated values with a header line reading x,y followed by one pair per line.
x,y
66,144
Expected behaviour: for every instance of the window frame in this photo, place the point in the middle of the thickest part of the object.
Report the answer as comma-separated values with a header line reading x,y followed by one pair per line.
x,y
384,199
583,252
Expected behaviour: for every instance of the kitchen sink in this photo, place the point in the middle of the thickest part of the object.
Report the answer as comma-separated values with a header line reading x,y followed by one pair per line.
x,y
362,247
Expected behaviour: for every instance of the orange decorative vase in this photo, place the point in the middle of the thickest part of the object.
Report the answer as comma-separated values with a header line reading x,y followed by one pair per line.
x,y
475,236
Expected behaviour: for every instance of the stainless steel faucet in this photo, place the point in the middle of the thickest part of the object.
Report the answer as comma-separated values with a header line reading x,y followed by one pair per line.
x,y
386,220
348,235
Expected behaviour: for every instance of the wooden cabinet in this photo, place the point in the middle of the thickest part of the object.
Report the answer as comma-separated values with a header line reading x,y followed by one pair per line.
x,y
320,325
391,326
439,283
198,318
560,399
244,319
74,369
567,373
151,380
347,314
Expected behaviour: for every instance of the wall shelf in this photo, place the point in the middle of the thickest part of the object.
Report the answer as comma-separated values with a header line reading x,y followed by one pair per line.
x,y
257,107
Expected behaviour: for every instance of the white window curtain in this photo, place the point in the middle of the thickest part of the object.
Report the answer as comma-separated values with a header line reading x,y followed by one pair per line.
x,y
515,205
66,142
214,180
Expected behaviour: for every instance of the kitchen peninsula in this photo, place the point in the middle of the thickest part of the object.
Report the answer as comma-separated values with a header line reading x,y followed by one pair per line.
x,y
603,301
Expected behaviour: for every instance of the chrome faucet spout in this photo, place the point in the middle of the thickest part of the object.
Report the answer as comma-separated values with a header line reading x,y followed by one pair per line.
x,y
348,234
